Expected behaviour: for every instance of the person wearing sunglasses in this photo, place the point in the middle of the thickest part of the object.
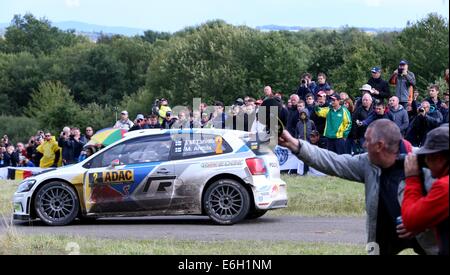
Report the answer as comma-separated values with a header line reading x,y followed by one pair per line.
x,y
51,152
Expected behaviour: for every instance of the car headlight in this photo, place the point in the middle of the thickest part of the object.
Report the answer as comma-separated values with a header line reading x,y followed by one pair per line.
x,y
26,186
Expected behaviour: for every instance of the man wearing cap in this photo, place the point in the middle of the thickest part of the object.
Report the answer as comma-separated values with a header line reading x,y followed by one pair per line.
x,y
140,123
365,89
124,122
423,211
338,124
404,82
380,88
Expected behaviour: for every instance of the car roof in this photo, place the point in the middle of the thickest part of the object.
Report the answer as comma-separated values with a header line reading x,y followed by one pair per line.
x,y
152,132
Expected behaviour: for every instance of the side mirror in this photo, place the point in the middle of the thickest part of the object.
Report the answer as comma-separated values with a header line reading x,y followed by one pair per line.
x,y
114,163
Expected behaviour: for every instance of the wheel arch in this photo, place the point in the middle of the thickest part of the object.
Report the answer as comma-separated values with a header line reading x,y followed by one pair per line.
x,y
227,176
41,185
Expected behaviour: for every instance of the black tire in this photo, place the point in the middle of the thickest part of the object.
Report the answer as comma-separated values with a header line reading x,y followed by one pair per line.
x,y
226,202
56,203
256,214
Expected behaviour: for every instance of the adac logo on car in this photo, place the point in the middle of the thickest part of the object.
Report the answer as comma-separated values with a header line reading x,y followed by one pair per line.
x,y
119,176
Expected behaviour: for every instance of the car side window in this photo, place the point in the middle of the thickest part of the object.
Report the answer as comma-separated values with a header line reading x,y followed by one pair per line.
x,y
138,150
187,146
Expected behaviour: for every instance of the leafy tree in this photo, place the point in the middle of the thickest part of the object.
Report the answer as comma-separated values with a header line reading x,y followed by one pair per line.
x,y
18,128
152,36
53,106
36,36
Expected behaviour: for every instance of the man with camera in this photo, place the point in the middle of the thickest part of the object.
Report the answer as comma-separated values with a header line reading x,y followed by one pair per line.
x,y
306,86
426,120
424,211
69,141
404,82
378,169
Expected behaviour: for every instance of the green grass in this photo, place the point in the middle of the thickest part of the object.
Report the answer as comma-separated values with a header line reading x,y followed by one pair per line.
x,y
13,244
308,196
7,189
323,196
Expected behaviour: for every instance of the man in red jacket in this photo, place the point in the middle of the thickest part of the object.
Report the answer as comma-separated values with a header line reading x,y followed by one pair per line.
x,y
421,211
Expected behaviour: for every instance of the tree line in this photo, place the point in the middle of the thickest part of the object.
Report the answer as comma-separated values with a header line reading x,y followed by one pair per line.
x,y
50,78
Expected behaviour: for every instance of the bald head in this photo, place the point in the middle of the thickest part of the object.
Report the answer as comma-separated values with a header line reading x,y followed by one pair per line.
x,y
393,102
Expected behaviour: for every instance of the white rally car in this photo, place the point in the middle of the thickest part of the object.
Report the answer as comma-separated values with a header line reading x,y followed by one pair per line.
x,y
220,173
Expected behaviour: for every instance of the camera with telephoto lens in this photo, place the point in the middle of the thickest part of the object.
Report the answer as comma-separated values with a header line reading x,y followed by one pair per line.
x,y
421,110
400,70
303,81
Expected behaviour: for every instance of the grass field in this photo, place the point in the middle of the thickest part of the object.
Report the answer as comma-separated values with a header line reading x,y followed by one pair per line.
x,y
308,196
12,244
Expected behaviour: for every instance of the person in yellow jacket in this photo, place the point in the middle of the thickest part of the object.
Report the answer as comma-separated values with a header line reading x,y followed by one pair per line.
x,y
51,152
163,109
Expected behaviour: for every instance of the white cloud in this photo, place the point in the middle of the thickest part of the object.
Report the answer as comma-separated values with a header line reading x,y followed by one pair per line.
x,y
72,3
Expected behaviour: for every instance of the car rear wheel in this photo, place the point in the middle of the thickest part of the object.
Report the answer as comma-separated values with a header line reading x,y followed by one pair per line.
x,y
56,203
226,202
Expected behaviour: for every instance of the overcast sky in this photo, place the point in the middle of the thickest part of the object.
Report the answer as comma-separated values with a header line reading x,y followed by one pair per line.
x,y
173,15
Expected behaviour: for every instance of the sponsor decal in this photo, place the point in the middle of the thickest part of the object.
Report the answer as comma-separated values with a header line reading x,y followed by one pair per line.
x,y
218,164
273,165
219,142
282,154
107,177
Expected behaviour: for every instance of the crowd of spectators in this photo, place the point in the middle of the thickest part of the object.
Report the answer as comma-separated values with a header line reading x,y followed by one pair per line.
x,y
335,120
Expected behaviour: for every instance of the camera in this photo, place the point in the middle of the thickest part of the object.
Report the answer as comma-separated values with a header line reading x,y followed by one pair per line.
x,y
421,110
155,107
303,81
420,159
400,70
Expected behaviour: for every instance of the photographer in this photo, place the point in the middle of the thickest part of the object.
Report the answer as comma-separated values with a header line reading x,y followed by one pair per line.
x,y
69,141
378,170
427,119
423,211
404,82
163,109
306,86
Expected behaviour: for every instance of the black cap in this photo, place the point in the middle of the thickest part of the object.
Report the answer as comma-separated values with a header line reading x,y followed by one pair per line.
x,y
436,141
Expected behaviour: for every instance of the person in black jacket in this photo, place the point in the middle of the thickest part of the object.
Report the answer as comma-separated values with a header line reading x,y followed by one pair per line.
x,y
10,157
293,114
428,118
380,88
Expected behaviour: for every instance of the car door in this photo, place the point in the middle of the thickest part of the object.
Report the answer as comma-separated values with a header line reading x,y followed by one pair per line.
x,y
131,177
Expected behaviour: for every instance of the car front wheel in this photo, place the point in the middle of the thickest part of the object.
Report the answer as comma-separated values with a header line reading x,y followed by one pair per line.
x,y
56,203
226,202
